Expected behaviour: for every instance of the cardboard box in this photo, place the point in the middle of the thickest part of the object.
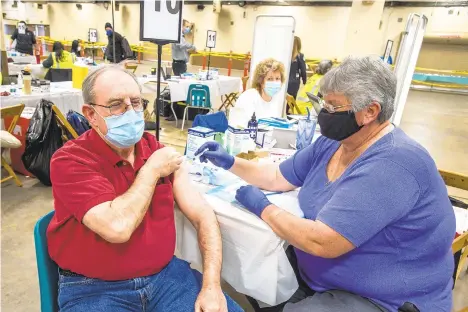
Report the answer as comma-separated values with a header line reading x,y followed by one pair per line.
x,y
236,140
196,138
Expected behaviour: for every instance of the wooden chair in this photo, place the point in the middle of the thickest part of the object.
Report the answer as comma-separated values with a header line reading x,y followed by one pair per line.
x,y
293,108
64,124
14,112
131,67
460,243
231,98
245,79
459,181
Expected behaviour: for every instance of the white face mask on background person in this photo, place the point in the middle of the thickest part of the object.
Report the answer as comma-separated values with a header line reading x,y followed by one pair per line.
x,y
21,28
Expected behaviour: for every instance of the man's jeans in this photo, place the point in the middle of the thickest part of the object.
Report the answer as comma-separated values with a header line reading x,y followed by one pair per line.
x,y
173,289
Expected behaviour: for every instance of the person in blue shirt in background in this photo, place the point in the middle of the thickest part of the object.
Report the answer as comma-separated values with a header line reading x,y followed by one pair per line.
x,y
378,223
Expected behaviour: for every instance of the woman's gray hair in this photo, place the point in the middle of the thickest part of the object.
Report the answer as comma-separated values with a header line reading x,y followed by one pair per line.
x,y
89,94
363,80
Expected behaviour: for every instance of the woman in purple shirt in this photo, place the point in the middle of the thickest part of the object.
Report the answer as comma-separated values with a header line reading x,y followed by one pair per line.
x,y
378,223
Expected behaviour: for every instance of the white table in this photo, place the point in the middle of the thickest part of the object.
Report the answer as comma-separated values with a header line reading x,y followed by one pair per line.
x,y
61,94
22,58
254,261
221,86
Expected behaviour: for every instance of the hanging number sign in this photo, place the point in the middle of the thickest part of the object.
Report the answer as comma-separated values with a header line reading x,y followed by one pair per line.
x,y
160,20
211,39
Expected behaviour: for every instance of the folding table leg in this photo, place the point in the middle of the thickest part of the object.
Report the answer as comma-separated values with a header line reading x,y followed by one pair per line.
x,y
11,172
183,120
173,112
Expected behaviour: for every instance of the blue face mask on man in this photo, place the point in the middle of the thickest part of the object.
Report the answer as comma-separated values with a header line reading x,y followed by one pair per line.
x,y
272,87
125,130
109,32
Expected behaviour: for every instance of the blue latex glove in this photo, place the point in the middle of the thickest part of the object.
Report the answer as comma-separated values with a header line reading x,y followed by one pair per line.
x,y
252,198
215,154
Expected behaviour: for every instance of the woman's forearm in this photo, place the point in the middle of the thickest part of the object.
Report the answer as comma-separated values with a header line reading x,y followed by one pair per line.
x,y
264,176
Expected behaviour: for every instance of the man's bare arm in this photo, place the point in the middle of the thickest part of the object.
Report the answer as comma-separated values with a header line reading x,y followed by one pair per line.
x,y
313,237
115,221
201,215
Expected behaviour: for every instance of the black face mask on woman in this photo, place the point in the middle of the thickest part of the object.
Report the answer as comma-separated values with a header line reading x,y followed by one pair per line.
x,y
338,125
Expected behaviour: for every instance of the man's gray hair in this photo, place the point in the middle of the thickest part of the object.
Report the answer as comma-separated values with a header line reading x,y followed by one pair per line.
x,y
363,80
89,93
323,67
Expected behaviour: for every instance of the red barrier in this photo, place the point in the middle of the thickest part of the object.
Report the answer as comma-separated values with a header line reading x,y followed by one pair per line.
x,y
247,64
204,62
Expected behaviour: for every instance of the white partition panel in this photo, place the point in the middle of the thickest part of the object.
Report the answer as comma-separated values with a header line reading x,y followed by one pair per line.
x,y
406,62
274,37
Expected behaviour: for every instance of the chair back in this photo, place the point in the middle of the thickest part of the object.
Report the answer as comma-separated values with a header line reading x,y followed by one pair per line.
x,y
199,96
47,269
293,108
67,129
245,79
131,67
13,112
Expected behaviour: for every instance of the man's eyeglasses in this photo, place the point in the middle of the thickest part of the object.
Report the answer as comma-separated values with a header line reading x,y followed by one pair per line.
x,y
121,107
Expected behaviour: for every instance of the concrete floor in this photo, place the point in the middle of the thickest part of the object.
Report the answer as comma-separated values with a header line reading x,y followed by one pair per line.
x,y
437,121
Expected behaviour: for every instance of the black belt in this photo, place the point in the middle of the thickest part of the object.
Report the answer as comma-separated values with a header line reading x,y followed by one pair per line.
x,y
180,62
69,273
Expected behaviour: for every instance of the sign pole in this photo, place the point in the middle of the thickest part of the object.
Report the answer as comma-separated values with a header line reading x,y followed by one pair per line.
x,y
208,72
160,23
158,90
113,32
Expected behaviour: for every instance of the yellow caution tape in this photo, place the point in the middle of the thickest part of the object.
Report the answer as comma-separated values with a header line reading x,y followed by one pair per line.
x,y
233,55
441,85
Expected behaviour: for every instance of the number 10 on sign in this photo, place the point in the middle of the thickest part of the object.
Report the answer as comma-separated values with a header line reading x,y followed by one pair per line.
x,y
211,39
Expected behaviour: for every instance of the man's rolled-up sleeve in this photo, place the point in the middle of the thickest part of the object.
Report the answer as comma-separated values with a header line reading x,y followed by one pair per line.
x,y
369,199
77,185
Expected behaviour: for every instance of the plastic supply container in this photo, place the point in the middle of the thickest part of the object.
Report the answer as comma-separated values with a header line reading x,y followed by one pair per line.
x,y
305,132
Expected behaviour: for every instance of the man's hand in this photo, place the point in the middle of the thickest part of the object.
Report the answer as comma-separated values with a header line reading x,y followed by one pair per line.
x,y
165,161
211,300
252,198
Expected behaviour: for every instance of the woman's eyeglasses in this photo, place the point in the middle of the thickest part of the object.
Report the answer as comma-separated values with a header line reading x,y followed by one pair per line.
x,y
332,109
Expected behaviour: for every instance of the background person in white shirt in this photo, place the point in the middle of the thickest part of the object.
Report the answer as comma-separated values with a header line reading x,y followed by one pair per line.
x,y
267,81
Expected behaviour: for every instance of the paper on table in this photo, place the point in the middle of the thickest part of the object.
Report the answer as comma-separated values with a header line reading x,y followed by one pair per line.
x,y
461,217
287,200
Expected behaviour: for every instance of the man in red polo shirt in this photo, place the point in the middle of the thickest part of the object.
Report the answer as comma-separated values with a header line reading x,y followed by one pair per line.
x,y
113,232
